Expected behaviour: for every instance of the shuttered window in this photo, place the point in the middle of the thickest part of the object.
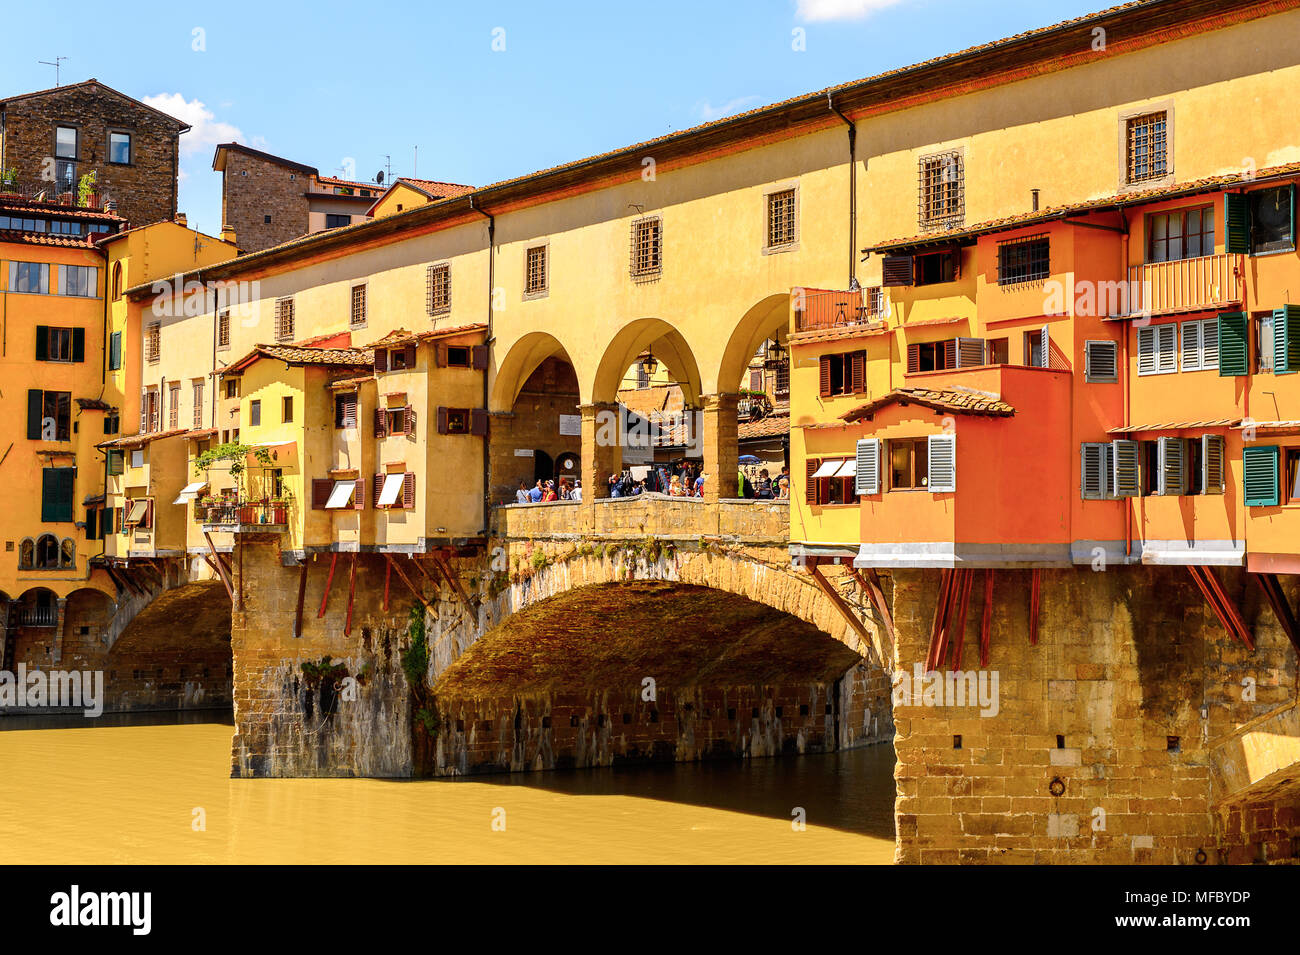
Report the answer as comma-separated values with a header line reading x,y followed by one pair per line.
x,y
970,352
56,494
115,351
1126,473
1172,466
897,270
1286,340
843,374
1100,361
1260,476
345,411
1212,464
810,487
1157,349
1236,224
943,463
867,473
1234,344
936,356
1200,345
1096,470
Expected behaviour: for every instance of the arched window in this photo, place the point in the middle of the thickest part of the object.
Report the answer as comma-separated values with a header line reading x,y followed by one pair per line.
x,y
27,554
47,552
117,280
68,553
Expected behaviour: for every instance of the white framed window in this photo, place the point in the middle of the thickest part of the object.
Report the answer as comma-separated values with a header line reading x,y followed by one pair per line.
x,y
1157,349
1100,361
1200,345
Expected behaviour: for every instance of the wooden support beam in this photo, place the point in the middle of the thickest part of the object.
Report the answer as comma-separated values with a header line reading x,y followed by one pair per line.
x,y
455,583
840,604
959,628
352,590
870,584
302,597
221,570
407,580
329,581
420,567
1224,607
987,618
1035,598
938,639
1281,608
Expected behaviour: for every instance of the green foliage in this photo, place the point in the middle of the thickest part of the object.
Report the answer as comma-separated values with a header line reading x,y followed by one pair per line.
x,y
428,718
315,673
540,560
86,187
234,455
415,658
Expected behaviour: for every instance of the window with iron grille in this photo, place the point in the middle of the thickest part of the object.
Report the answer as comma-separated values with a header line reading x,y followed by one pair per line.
x,y
437,294
782,386
1024,260
780,218
153,344
942,195
647,247
358,316
284,318
223,328
1147,150
535,270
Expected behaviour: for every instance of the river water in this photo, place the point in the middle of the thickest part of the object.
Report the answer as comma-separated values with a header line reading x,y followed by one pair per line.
x,y
133,790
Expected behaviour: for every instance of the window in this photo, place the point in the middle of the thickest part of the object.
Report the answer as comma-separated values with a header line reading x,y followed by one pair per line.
x,y
832,481
197,395
56,494
755,379
941,198
931,356
780,218
119,148
1024,260
1270,219
284,318
908,464
1157,349
266,220
535,278
153,343
49,415
934,268
1147,147
1095,471
843,374
1200,345
232,387
1100,361
866,472
112,422
1286,339
65,142
437,295
455,421
65,175
47,552
286,409
254,413
335,221
458,356
345,411
31,277
1263,341
79,280
1293,475
647,247
223,328
998,351
139,513
358,315
1234,344
115,351
149,410
116,461
782,386
874,302
1181,234
60,344
117,280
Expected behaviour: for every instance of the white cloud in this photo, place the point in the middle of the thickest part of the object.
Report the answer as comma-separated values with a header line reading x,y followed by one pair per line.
x,y
205,131
822,11
708,112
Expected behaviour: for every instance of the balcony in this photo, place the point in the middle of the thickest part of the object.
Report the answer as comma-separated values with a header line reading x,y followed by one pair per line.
x,y
822,309
242,516
38,616
1184,285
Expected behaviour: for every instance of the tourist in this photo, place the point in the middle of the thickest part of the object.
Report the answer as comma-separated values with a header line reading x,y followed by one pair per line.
x,y
549,494
521,495
675,486
577,491
535,495
763,488
614,489
699,485
783,484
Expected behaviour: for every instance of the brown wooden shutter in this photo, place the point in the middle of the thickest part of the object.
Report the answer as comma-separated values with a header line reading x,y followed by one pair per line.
x,y
359,495
479,357
440,355
410,356
379,487
950,353
408,421
408,491
148,515
381,360
858,371
381,422
913,358
478,421
320,492
810,483
442,420
825,375
897,270
144,411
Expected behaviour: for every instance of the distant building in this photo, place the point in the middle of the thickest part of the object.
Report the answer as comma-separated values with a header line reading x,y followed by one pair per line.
x,y
406,193
51,139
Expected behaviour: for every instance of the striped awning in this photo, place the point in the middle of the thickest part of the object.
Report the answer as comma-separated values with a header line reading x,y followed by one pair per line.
x,y
1176,426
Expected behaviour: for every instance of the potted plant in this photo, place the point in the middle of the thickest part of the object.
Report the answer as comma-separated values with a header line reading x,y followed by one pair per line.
x,y
86,189
9,183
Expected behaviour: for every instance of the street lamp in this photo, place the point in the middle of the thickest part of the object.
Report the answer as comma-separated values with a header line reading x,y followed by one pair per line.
x,y
649,364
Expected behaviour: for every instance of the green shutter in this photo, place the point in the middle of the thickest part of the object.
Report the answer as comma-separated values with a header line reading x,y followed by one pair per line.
x,y
78,344
35,408
56,494
1260,467
1236,223
1286,340
1234,344
115,351
42,343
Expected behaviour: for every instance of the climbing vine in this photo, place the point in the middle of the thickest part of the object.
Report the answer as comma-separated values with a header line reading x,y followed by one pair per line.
x,y
415,664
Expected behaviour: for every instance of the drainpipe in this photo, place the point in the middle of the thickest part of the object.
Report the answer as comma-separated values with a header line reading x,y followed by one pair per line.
x,y
487,342
1123,263
853,193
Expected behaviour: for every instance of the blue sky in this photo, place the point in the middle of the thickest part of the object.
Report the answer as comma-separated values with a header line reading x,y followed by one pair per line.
x,y
326,83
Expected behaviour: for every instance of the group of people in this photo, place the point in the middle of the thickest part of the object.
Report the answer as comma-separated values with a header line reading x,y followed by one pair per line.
x,y
680,479
544,492
764,487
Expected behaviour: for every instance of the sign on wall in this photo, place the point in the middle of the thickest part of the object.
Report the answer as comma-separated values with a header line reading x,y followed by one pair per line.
x,y
571,424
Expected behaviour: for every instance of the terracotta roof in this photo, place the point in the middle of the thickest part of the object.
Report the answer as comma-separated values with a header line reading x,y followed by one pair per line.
x,y
434,189
299,355
1104,204
132,440
400,336
340,383
1176,426
333,180
37,207
768,427
838,332
940,399
40,238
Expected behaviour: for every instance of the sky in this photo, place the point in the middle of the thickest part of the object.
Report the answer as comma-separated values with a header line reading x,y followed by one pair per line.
x,y
479,92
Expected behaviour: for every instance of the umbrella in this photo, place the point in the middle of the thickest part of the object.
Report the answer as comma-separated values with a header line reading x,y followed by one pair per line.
x,y
749,459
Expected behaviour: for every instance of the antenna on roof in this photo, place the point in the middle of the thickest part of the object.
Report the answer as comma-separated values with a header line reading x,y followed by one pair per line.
x,y
379,177
416,174
55,64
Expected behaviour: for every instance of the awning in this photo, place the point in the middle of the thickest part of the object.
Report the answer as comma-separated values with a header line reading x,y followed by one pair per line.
x,y
1176,426
137,512
189,492
393,484
341,496
829,468
639,471
850,469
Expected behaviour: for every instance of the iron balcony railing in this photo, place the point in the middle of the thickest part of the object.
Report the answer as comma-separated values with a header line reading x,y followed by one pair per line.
x,y
236,514
38,617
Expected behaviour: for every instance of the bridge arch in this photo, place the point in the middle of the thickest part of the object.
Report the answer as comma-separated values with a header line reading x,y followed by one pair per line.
x,y
523,358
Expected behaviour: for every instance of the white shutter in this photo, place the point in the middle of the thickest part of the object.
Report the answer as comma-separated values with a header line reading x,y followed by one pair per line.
x,y
1126,477
1092,480
1212,453
970,352
1100,361
1191,332
867,480
1173,467
1147,351
1045,342
943,463
1167,348
1210,344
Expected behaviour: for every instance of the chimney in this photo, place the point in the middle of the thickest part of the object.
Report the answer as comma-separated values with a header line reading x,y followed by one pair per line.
x,y
180,219
228,234
110,205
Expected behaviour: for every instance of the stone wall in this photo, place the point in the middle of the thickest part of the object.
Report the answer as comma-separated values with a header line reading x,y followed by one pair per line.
x,y
1100,747
252,190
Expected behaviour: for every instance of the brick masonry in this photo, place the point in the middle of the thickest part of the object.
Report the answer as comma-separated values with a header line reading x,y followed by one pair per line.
x,y
254,189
